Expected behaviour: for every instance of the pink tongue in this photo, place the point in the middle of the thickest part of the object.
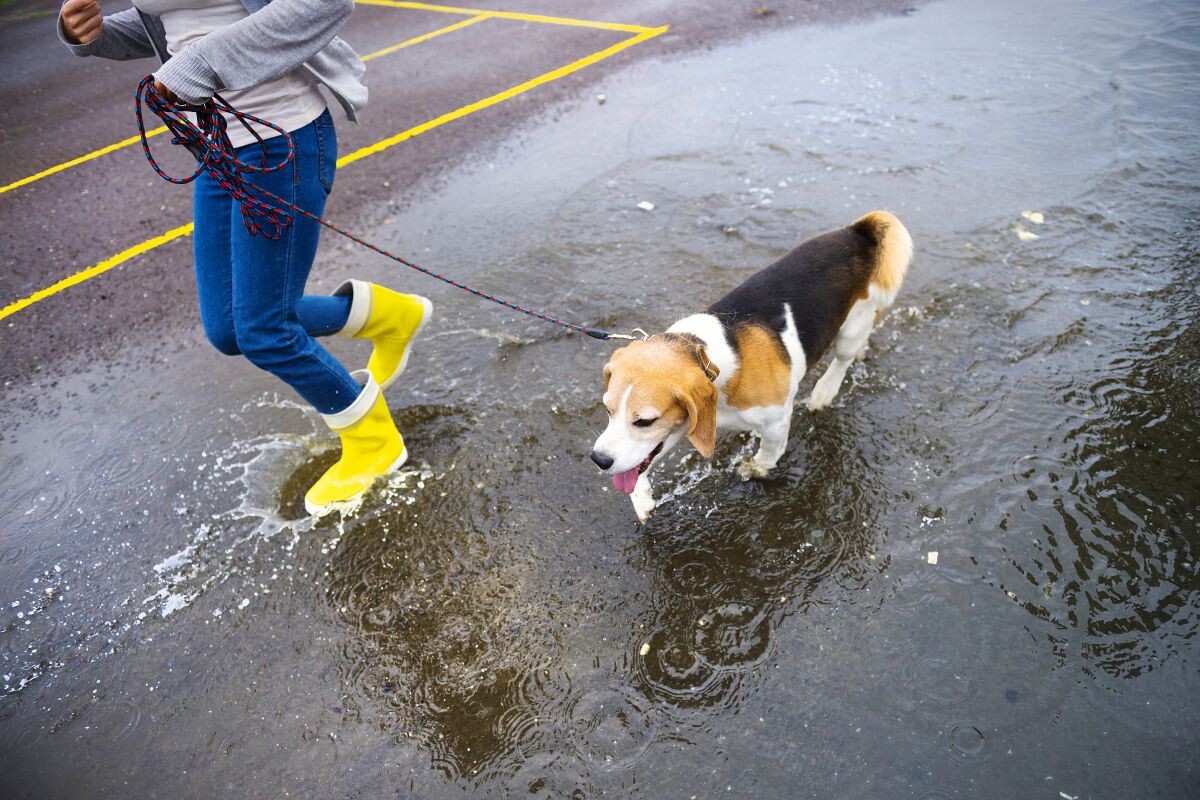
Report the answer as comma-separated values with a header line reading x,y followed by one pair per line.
x,y
626,480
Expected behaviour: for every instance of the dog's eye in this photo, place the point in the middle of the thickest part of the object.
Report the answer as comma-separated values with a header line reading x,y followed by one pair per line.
x,y
644,423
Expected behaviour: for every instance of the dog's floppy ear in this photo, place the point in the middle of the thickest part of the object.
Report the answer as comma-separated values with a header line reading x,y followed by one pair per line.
x,y
700,400
607,371
608,367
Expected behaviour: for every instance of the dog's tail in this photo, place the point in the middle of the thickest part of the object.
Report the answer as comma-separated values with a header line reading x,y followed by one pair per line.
x,y
893,251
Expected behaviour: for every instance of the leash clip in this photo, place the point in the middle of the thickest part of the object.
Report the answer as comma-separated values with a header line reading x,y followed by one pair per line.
x,y
628,337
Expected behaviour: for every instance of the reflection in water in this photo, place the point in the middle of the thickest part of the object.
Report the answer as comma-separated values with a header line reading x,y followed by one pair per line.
x,y
1095,531
1115,567
456,640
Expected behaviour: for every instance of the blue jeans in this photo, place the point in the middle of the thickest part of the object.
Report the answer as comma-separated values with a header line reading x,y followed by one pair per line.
x,y
251,288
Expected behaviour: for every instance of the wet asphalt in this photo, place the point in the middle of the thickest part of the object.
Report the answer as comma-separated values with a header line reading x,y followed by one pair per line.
x,y
975,576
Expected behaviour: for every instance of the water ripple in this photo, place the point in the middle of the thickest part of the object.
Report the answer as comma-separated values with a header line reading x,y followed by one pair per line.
x,y
612,728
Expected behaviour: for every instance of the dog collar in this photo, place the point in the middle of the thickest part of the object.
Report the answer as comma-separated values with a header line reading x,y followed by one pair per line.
x,y
699,352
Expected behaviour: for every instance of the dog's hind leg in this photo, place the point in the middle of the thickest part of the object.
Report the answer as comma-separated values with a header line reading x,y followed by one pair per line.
x,y
850,343
862,351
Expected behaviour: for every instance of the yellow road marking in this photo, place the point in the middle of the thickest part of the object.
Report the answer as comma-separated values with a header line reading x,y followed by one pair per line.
x,y
499,97
580,23
132,140
425,37
77,161
98,269
185,230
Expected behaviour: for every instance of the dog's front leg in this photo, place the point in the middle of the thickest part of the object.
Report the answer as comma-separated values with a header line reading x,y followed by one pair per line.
x,y
773,439
643,498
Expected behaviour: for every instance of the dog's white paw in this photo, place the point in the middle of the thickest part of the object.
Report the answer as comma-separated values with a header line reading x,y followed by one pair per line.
x,y
821,397
750,469
643,506
643,509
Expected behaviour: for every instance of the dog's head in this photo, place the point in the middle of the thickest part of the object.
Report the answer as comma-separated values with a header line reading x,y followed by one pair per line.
x,y
655,391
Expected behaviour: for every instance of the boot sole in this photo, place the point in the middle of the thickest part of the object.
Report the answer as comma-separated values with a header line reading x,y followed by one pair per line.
x,y
315,510
425,317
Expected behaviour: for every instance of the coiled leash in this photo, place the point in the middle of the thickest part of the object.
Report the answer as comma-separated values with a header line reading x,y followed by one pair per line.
x,y
268,215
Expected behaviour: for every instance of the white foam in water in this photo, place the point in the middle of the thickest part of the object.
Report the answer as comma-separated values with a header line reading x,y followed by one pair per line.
x,y
25,661
172,562
173,603
276,401
400,484
271,459
257,468
500,338
693,477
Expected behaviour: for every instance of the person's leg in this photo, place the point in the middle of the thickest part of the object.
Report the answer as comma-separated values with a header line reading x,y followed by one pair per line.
x,y
213,213
215,217
269,277
275,321
323,315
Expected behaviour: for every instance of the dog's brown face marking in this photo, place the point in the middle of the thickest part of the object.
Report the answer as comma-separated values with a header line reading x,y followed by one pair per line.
x,y
764,373
652,370
663,388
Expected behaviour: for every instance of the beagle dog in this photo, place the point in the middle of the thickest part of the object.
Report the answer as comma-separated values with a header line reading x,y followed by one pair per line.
x,y
739,364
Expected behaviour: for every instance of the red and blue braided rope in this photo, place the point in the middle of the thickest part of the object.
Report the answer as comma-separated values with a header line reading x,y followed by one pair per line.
x,y
208,141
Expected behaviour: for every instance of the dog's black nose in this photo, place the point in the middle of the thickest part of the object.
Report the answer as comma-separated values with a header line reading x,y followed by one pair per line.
x,y
602,461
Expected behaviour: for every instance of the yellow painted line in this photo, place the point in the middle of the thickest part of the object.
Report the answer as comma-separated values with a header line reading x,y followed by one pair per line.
x,y
387,51
112,148
77,161
98,269
500,97
541,18
378,147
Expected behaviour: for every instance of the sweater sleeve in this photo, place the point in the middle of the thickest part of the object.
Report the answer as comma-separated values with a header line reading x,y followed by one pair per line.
x,y
122,38
265,45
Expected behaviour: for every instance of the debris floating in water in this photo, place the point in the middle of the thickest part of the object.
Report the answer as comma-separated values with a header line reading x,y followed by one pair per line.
x,y
646,205
1024,235
600,98
932,556
1036,217
645,649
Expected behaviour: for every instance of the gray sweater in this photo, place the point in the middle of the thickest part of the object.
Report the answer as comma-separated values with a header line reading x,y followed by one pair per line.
x,y
277,37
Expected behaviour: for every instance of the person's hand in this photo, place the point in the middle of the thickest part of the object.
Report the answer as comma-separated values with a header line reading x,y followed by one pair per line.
x,y
165,93
81,20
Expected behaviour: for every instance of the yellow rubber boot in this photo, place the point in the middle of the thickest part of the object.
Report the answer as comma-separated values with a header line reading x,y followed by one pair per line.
x,y
391,320
371,448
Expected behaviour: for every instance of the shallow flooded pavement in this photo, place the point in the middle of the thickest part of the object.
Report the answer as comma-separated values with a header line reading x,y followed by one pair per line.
x,y
975,575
